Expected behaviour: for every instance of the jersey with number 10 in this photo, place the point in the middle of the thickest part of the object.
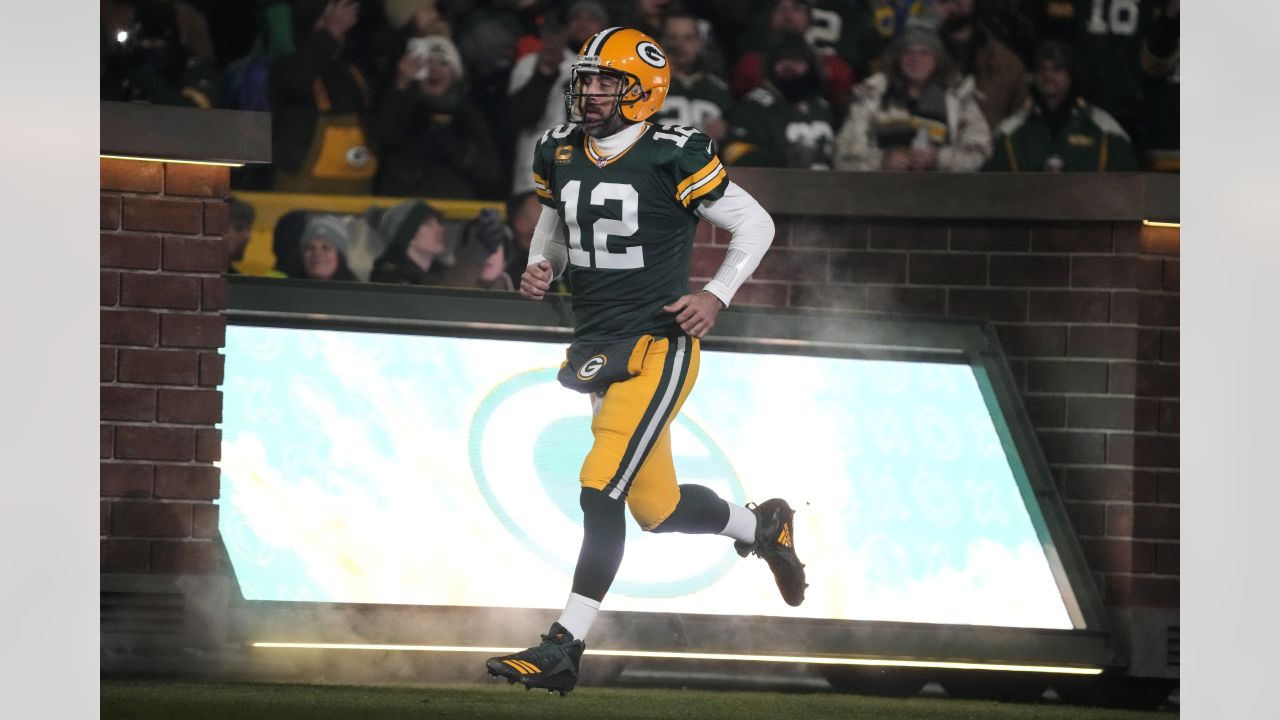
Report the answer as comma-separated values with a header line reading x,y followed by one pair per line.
x,y
629,220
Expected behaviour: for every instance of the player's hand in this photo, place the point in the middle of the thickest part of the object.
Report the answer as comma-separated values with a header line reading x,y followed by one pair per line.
x,y
536,280
696,312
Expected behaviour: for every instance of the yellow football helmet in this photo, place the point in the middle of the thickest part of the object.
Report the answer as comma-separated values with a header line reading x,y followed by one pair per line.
x,y
633,57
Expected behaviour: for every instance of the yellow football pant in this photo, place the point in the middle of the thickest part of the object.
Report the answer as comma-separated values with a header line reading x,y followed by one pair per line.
x,y
631,456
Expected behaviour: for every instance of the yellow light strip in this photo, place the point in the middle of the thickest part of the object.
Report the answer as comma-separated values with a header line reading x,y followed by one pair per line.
x,y
876,662
172,160
1155,223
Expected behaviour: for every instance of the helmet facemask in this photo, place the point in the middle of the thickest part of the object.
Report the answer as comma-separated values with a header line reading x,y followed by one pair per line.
x,y
576,97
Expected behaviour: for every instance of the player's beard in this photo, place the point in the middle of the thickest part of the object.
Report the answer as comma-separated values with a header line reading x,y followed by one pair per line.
x,y
605,126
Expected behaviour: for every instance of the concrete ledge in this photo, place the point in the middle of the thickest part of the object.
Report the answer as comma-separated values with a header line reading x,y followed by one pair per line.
x,y
182,133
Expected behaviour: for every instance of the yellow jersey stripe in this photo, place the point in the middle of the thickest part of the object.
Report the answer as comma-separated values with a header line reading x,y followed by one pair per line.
x,y
704,187
539,179
543,194
736,150
703,172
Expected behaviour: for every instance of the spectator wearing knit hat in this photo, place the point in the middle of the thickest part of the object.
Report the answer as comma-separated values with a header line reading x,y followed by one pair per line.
x,y
920,114
434,141
416,245
323,246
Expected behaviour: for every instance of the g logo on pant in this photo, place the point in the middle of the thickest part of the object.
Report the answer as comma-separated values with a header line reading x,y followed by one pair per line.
x,y
591,367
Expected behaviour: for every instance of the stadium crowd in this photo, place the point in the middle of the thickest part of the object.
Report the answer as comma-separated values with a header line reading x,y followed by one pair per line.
x,y
444,99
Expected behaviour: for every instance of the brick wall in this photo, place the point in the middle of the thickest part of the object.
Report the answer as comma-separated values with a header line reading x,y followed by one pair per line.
x,y
1088,316
162,324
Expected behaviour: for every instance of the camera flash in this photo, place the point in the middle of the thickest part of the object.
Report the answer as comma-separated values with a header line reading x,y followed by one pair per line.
x,y
122,36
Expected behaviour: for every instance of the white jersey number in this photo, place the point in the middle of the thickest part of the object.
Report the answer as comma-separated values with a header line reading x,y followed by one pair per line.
x,y
1113,17
602,228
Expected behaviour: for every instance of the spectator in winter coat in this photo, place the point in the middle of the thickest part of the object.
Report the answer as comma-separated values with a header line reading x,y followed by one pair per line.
x,y
998,73
918,115
1057,130
323,246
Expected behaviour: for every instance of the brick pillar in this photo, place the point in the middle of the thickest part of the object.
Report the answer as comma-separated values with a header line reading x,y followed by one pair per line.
x,y
163,323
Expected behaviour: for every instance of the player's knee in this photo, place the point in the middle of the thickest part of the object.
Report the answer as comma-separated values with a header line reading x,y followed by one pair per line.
x,y
649,513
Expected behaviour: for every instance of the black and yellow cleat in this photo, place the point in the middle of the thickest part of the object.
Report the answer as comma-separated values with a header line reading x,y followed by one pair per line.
x,y
551,665
775,542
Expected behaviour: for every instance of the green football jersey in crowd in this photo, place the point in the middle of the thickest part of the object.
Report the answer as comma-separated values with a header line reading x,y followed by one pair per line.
x,y
695,100
629,222
766,130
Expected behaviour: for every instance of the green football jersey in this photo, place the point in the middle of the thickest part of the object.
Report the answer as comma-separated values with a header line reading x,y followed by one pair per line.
x,y
629,220
694,100
765,130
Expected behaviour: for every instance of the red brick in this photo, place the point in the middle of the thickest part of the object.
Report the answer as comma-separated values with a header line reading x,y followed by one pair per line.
x,y
1170,346
107,364
200,180
110,212
129,327
106,440
1073,448
840,297
1118,556
215,218
1071,237
1099,484
195,254
1156,451
136,176
104,517
854,266
208,445
1160,240
824,233
1046,411
990,238
1146,486
793,265
117,402
130,251
1141,591
1170,487
1158,310
212,366
705,261
758,293
1169,418
1155,521
188,482
109,288
1080,306
1125,237
1122,378
1087,518
149,442
907,300
1023,340
163,367
1120,520
947,269
1102,341
1158,380
151,519
204,520
190,406
1030,270
193,331
907,236
1120,449
1124,307
126,479
124,555
178,292
1104,271
1146,414
162,215
213,294
1168,559
1006,305
1102,413
191,557
1077,376
1170,279
1148,344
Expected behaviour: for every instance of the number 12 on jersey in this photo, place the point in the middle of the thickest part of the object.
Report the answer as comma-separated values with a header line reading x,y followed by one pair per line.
x,y
630,258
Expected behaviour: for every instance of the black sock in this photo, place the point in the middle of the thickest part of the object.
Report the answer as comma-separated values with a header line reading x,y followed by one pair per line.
x,y
699,512
604,534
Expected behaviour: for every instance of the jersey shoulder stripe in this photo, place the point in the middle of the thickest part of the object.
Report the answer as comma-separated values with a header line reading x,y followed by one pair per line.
x,y
700,183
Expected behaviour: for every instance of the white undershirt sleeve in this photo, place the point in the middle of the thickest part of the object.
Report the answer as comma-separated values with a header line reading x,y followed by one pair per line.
x,y
752,231
549,243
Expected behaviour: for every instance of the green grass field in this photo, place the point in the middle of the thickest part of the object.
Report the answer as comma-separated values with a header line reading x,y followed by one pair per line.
x,y
141,700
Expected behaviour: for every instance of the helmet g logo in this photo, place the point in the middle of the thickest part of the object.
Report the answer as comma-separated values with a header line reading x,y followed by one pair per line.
x,y
591,367
651,53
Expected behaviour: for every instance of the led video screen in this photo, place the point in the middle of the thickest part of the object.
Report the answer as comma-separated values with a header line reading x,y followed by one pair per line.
x,y
361,467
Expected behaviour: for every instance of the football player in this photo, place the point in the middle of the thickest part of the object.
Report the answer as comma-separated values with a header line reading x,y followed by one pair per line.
x,y
621,200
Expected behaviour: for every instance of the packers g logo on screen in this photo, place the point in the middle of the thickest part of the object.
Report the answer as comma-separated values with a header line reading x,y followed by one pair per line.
x,y
526,444
591,367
